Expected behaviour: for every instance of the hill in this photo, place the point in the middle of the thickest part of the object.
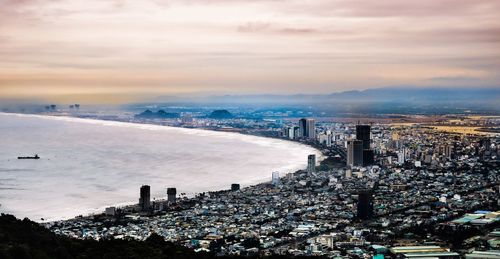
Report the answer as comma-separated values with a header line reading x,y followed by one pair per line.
x,y
161,114
27,239
221,114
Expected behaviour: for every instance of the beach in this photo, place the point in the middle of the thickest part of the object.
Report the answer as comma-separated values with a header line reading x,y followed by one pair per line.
x,y
86,165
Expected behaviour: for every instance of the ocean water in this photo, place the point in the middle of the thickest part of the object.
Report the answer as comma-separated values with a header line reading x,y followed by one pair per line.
x,y
87,165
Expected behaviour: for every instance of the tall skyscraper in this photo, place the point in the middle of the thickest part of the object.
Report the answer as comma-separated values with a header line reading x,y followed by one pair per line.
x,y
296,132
302,127
368,157
311,129
291,132
311,163
354,152
145,198
363,134
171,195
307,128
365,205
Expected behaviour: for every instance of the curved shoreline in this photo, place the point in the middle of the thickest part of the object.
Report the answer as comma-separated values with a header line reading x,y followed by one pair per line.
x,y
256,140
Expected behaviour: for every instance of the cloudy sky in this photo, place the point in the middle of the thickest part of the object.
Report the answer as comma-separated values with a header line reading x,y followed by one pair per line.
x,y
122,49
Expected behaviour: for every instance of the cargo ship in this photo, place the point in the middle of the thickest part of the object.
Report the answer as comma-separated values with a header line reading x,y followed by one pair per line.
x,y
29,157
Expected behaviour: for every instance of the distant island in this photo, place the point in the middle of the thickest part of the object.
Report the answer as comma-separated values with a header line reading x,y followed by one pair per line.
x,y
161,114
221,114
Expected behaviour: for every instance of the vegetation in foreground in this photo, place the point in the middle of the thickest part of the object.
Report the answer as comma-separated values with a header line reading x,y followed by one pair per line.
x,y
27,239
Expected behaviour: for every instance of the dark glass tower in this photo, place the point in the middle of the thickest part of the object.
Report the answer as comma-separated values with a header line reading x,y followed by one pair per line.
x,y
235,187
145,199
368,157
363,134
354,152
365,205
171,195
307,128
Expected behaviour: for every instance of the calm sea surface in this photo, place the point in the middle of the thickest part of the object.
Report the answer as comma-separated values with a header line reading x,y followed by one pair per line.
x,y
87,165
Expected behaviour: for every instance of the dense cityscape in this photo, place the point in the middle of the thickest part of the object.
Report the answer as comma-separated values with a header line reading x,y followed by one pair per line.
x,y
229,129
395,190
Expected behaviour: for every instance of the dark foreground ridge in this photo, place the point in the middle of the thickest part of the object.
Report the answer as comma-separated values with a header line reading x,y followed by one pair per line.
x,y
27,239
21,239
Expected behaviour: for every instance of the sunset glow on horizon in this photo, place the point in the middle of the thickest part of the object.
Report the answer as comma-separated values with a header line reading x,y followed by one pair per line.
x,y
135,49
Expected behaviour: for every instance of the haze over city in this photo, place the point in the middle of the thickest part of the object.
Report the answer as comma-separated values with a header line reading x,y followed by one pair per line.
x,y
121,51
249,129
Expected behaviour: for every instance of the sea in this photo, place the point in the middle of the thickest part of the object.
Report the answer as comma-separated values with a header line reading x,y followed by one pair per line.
x,y
86,165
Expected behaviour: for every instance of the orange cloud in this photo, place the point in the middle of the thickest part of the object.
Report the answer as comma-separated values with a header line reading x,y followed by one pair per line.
x,y
281,46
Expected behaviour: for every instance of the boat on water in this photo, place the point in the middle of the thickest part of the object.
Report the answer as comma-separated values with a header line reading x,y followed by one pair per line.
x,y
29,157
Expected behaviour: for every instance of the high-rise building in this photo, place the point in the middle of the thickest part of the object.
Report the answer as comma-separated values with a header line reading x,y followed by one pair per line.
x,y
296,132
365,205
311,163
145,198
363,134
401,156
354,152
288,132
291,132
311,129
368,157
448,151
171,195
235,187
302,127
276,179
307,128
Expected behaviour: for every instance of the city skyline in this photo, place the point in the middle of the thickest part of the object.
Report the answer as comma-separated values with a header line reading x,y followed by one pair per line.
x,y
250,129
122,51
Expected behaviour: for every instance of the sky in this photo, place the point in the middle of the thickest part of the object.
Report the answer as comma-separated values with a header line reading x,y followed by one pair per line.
x,y
123,50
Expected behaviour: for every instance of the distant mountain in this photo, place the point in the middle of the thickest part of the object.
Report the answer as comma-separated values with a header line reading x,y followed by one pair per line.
x,y
389,100
221,114
420,95
487,95
161,114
